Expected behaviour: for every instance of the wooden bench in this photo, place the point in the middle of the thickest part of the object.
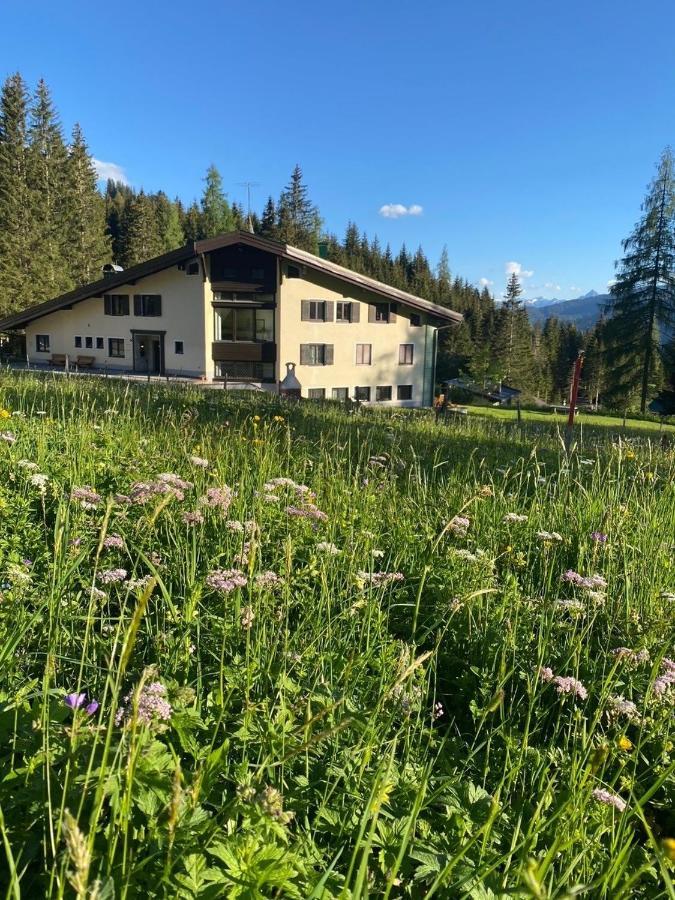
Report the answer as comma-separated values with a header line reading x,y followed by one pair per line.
x,y
85,362
57,359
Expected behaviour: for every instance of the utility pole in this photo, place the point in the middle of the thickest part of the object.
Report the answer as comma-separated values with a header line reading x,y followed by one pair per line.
x,y
248,185
574,393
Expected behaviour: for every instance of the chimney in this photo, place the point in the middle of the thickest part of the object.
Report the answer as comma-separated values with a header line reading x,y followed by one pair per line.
x,y
111,269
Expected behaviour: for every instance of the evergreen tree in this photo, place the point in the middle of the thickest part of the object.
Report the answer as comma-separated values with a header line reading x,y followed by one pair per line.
x,y
513,339
192,223
86,241
443,279
46,169
298,220
168,222
141,239
16,226
642,301
117,195
268,220
216,216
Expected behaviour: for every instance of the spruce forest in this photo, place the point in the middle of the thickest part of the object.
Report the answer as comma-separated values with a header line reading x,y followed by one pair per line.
x,y
57,229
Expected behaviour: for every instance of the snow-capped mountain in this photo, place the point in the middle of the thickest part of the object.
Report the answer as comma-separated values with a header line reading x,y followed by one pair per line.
x,y
583,311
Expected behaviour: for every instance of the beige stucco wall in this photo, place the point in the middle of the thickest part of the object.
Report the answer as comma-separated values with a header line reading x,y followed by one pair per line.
x,y
385,339
184,318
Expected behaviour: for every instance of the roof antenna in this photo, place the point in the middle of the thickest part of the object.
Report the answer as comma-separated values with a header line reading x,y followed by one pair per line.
x,y
248,185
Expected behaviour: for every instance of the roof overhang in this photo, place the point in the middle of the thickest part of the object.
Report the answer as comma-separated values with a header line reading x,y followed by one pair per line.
x,y
441,314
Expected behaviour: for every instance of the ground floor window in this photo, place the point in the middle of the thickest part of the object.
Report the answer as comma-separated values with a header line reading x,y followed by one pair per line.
x,y
362,393
78,342
178,347
404,392
42,343
383,392
340,394
99,343
116,348
245,371
316,393
316,354
89,343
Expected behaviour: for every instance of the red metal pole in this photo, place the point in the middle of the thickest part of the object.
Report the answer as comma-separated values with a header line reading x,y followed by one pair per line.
x,y
573,397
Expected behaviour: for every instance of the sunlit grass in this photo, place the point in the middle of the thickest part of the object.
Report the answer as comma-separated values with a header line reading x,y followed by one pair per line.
x,y
372,722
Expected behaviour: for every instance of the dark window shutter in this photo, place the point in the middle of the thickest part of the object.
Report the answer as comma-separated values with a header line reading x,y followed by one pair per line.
x,y
304,351
372,312
330,311
328,354
107,305
356,311
138,305
392,311
304,312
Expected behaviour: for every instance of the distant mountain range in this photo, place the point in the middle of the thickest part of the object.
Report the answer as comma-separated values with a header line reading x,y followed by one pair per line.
x,y
583,311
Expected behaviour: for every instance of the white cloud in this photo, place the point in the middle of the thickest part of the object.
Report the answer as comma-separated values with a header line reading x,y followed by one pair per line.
x,y
611,283
485,282
106,170
516,268
552,286
396,210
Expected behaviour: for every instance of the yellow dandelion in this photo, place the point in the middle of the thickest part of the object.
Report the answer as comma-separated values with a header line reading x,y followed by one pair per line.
x,y
624,743
668,845
5,414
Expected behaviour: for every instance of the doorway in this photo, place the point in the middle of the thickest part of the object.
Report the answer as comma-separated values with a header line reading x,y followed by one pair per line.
x,y
149,353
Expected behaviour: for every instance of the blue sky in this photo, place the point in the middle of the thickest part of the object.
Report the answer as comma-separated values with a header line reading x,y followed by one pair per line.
x,y
519,133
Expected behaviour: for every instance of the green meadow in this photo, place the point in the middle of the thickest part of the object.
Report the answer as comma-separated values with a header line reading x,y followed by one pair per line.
x,y
256,649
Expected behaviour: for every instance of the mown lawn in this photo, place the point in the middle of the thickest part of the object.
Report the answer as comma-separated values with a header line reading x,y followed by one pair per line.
x,y
252,649
583,420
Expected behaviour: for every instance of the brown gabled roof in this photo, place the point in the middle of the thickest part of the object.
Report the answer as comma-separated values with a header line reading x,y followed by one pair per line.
x,y
196,248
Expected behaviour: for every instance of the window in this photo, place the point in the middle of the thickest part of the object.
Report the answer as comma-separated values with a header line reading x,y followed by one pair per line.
x,y
89,343
362,393
340,394
316,393
42,343
78,341
293,272
99,343
178,347
116,304
116,347
383,392
316,354
147,304
317,310
257,274
245,371
415,319
192,268
245,324
404,392
381,312
343,312
364,354
405,354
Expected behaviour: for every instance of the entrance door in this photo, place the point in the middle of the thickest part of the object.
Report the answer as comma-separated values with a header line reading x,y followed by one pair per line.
x,y
148,354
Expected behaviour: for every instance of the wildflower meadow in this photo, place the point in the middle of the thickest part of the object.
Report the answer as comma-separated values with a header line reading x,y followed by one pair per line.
x,y
255,649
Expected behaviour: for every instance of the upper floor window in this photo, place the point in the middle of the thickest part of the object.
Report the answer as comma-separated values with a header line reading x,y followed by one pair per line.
x,y
346,311
192,268
405,354
292,272
116,304
42,343
317,310
382,312
147,304
364,354
316,354
415,319
244,324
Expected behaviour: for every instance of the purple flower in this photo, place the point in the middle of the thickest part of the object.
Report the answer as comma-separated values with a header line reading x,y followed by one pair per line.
x,y
91,708
607,798
563,684
226,580
111,576
598,537
74,701
667,677
310,511
218,498
193,518
377,579
152,706
86,497
268,580
113,542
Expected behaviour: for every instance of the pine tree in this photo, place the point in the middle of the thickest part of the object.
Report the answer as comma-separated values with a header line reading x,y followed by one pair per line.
x,y
192,223
217,216
141,237
443,279
268,220
513,339
46,170
298,220
87,244
168,222
16,226
642,301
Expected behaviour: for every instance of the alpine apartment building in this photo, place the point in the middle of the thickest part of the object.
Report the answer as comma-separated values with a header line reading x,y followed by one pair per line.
x,y
239,307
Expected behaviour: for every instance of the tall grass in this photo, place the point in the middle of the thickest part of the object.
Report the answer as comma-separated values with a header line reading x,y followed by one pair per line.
x,y
333,732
